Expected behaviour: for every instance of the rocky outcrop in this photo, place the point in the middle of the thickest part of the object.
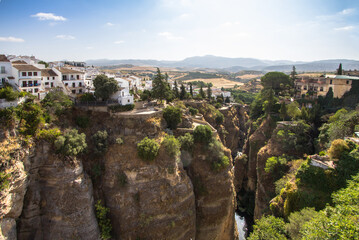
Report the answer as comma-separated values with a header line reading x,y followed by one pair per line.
x,y
215,198
148,200
58,203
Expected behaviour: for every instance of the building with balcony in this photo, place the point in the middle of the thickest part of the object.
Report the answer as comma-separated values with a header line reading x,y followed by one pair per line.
x,y
27,78
49,79
72,79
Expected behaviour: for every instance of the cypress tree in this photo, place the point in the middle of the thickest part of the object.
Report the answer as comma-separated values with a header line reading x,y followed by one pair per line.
x,y
209,92
201,92
340,70
175,90
190,89
183,92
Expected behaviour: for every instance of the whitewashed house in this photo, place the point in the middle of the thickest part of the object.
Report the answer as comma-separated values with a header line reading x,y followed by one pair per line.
x,y
5,70
72,79
28,78
49,79
123,96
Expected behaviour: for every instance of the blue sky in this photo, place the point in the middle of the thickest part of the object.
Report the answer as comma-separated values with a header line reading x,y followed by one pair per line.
x,y
176,29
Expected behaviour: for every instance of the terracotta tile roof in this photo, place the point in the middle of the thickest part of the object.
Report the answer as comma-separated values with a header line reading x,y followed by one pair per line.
x,y
11,78
68,71
48,73
26,67
3,58
19,62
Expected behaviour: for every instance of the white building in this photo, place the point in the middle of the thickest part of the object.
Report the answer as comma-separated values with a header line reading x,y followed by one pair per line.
x,y
72,79
50,79
123,96
5,69
27,78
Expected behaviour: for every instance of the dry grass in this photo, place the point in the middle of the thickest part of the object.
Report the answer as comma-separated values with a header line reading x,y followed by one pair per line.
x,y
249,76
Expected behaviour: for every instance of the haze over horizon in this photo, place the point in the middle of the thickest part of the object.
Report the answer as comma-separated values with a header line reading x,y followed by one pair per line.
x,y
175,30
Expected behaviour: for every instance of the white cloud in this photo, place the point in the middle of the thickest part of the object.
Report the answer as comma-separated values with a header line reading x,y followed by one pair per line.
x,y
65,37
347,11
184,16
11,39
346,28
89,48
169,36
48,16
119,42
109,24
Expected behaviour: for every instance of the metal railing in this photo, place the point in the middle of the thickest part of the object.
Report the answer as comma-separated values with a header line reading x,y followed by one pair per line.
x,y
95,103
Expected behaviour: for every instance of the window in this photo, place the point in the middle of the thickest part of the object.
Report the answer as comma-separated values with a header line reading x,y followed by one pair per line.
x,y
30,90
305,87
36,90
347,81
331,81
80,84
73,84
73,91
53,78
35,73
2,69
321,89
23,74
48,78
52,84
35,83
66,84
128,100
29,74
72,76
64,77
46,83
78,77
80,91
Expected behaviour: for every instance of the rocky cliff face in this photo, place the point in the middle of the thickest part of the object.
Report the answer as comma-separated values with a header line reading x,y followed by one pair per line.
x,y
215,198
58,203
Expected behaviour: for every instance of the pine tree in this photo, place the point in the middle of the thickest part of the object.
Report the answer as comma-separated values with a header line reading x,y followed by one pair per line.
x,y
293,74
209,92
183,92
340,70
161,89
202,93
175,90
190,89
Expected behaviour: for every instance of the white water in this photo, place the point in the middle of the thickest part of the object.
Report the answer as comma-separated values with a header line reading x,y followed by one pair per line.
x,y
241,226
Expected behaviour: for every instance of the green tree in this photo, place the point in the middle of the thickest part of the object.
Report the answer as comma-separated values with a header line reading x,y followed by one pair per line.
x,y
227,100
105,87
329,98
175,90
190,89
45,63
269,102
202,134
71,143
173,116
172,146
202,93
340,70
293,74
100,141
277,81
209,92
293,110
161,89
147,149
268,228
296,221
283,111
183,93
56,102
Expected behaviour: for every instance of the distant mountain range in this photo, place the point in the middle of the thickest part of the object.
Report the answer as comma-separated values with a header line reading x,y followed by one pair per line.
x,y
236,64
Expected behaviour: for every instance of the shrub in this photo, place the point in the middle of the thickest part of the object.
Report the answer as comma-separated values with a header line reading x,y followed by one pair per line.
x,y
4,181
268,227
87,97
186,142
7,117
337,148
71,143
202,134
216,155
121,108
147,149
119,140
100,141
49,135
103,221
82,121
219,118
31,117
218,105
172,145
276,166
9,94
193,111
56,102
173,116
297,221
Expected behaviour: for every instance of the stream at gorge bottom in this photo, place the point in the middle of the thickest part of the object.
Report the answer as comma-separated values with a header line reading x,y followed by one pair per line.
x,y
244,224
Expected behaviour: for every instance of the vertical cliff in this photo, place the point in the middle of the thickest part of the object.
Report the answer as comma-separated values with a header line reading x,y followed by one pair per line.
x,y
58,203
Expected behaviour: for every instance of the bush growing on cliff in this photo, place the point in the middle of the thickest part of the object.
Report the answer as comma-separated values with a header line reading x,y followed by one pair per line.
x,y
193,111
219,118
276,166
31,117
4,180
56,102
268,228
49,135
337,148
82,121
147,149
173,116
103,221
216,155
297,221
71,143
100,141
202,134
172,146
186,142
